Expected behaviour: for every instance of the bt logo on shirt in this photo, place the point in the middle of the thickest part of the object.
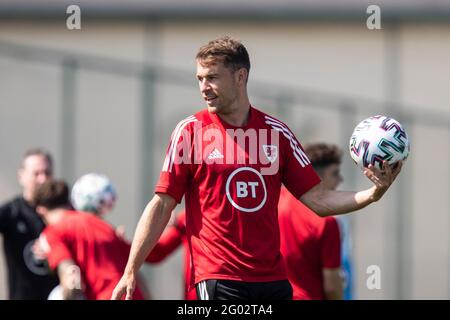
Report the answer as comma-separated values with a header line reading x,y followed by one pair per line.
x,y
246,189
242,188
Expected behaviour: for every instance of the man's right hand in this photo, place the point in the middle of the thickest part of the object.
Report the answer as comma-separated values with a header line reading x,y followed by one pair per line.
x,y
126,285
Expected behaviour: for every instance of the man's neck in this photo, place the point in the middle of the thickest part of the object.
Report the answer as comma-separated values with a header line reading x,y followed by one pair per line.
x,y
55,215
239,117
28,197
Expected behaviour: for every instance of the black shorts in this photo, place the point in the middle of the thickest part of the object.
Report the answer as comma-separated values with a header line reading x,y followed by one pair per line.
x,y
240,290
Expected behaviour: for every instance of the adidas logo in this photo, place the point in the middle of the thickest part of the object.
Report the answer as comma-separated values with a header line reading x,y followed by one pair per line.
x,y
215,154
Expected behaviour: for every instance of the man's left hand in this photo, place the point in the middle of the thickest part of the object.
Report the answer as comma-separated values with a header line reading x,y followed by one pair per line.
x,y
382,179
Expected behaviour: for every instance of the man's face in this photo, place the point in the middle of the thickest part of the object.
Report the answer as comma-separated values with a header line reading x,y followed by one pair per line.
x,y
34,172
331,176
219,86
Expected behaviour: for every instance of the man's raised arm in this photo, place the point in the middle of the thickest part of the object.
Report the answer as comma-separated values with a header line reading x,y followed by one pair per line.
x,y
331,202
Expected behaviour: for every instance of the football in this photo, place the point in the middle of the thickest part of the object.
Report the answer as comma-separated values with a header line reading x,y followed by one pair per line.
x,y
376,139
92,192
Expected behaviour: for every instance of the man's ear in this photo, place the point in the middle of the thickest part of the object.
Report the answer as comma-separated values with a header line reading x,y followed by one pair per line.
x,y
20,175
41,210
242,75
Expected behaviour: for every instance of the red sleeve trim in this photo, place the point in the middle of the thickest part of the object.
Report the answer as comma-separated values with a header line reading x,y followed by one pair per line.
x,y
169,191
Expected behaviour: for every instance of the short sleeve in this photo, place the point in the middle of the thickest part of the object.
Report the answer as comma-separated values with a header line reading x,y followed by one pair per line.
x,y
55,246
175,173
331,244
298,173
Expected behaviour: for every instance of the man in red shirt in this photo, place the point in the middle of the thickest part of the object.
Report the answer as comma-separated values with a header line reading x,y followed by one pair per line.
x,y
311,245
229,161
84,249
170,240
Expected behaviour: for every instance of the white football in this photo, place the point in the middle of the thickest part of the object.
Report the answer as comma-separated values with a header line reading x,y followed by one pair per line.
x,y
92,191
376,139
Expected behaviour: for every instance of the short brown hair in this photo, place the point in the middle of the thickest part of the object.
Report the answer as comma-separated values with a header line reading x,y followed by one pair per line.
x,y
37,152
52,194
322,155
231,51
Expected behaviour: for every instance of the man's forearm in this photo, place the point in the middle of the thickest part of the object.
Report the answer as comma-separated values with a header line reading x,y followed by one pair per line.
x,y
70,279
330,202
154,219
335,293
333,283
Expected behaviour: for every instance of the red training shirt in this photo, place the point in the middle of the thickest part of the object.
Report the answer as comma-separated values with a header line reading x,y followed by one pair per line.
x,y
94,247
231,206
309,244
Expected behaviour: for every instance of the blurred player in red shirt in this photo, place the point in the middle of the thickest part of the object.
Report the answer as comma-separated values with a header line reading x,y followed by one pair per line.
x,y
85,251
229,162
171,239
95,193
311,245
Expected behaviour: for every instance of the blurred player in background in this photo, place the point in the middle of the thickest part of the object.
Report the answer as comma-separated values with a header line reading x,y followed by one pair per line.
x,y
231,198
171,239
96,194
311,245
20,225
85,251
